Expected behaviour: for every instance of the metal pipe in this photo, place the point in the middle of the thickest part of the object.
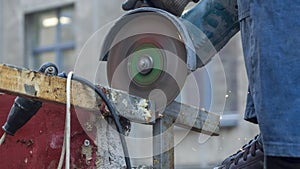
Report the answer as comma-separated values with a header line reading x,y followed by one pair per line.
x,y
163,143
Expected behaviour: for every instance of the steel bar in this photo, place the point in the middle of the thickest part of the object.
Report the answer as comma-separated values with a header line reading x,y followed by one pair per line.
x,y
163,143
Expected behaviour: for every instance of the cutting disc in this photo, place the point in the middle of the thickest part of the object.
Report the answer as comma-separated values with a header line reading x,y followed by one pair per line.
x,y
150,65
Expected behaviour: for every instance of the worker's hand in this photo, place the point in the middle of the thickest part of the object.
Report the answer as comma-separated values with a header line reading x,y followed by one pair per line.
x,y
133,4
175,7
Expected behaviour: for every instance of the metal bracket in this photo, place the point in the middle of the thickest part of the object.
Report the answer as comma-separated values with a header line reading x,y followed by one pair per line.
x,y
185,116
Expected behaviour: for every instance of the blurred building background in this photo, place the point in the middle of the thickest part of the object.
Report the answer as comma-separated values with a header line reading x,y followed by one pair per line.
x,y
36,31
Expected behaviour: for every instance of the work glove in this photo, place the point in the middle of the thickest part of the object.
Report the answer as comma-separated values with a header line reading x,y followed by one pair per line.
x,y
175,7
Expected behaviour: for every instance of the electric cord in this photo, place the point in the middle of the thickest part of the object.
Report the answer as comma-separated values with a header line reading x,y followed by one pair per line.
x,y
67,133
68,120
2,139
62,154
113,113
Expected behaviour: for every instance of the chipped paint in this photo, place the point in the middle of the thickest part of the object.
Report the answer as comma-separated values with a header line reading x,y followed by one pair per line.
x,y
113,96
125,102
30,89
143,107
87,151
89,126
143,103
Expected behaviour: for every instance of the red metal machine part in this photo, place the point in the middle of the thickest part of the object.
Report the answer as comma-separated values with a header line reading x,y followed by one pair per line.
x,y
38,144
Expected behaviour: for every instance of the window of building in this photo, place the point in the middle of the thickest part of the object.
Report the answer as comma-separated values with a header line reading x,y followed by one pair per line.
x,y
50,38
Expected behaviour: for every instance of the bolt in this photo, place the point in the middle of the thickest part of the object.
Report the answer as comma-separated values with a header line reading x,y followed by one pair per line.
x,y
50,71
86,142
145,64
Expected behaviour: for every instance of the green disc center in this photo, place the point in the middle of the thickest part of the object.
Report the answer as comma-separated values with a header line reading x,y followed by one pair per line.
x,y
145,64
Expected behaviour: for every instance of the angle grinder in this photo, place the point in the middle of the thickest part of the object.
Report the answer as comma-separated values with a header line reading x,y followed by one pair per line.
x,y
148,51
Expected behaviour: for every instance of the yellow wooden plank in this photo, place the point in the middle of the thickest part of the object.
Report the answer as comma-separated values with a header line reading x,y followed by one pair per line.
x,y
35,85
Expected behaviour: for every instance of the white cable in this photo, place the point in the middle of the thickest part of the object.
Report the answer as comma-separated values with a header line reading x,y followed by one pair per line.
x,y
68,120
62,154
67,133
2,138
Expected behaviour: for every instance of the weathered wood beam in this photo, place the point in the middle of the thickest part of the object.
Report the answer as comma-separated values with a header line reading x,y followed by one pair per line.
x,y
30,84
